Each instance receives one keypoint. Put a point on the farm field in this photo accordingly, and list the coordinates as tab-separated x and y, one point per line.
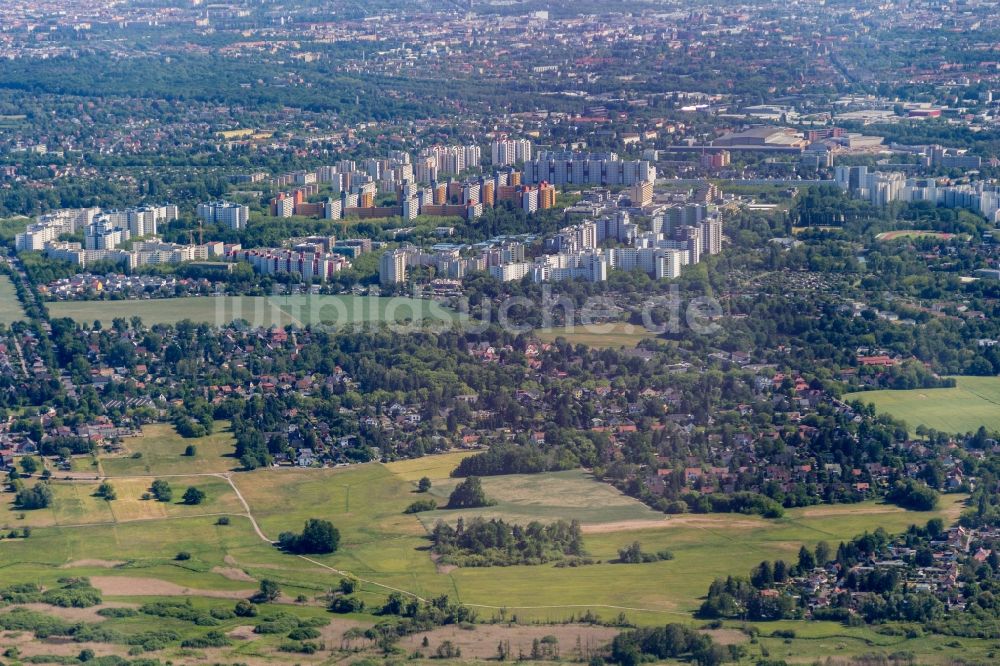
10	306
128	546
257	310
598	336
974	402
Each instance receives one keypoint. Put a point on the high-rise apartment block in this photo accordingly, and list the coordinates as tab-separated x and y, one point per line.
507	152
392	267
565	168
452	160
229	215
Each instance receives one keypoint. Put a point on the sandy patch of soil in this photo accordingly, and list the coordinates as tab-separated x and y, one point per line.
233	573
242	633
30	646
848	509
94	564
134	586
442	568
482	642
666	523
333	633
727	636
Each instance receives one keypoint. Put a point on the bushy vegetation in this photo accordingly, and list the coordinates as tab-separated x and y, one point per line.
70	593
633	554
283	623
181	610
421	505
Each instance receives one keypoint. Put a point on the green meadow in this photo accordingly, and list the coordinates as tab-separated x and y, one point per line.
161	451
974	402
265	311
10	306
598	336
129	546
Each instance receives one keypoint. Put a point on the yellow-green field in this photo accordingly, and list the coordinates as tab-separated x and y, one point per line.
129	545
10	306
569	495
598	336
257	310
974	402
160	450
76	505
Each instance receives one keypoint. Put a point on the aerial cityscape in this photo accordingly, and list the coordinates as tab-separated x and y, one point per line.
384	332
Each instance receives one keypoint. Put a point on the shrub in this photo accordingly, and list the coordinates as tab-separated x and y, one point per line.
347	605
422	505
194	496
303	633
245	609
117	612
306	647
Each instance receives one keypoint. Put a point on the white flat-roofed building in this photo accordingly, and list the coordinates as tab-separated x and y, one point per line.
230	215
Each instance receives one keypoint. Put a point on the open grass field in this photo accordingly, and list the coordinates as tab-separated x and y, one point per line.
75	504
257	310
129	545
161	451
569	495
974	402
10	306
598	336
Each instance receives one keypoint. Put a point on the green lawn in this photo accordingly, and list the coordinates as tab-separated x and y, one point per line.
162	452
974	402
10	306
258	310
598	336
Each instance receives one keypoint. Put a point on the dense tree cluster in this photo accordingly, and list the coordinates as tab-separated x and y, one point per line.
913	495
469	494
672	641
317	537
481	542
